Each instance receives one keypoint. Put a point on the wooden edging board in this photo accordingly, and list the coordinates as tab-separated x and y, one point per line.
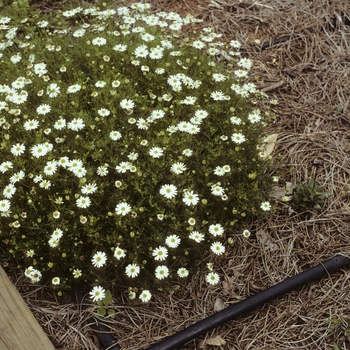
19	330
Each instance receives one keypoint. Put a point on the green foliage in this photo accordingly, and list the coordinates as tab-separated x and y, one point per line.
16	9
103	304
124	141
307	195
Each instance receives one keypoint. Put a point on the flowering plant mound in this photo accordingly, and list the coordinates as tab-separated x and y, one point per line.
128	151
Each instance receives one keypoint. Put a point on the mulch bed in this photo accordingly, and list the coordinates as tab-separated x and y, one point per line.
308	73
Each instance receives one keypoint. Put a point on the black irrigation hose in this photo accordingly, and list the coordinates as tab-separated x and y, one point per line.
177	340
102	332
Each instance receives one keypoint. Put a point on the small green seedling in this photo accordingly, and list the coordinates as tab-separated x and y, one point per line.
309	195
103	304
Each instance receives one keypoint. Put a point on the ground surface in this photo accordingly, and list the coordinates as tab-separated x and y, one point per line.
309	75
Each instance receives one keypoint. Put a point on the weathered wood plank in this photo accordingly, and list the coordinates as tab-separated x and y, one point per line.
19	330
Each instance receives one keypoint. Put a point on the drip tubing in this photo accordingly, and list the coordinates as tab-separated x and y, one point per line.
178	339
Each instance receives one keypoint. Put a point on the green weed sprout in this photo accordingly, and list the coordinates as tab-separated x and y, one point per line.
309	195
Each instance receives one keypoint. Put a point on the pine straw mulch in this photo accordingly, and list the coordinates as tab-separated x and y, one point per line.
309	75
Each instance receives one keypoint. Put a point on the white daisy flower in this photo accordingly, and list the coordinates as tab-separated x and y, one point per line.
168	191
216	230
119	253
99	259
120	47
235	44
53	90
217	96
50	168
182	272
196	236
57	233
9	191
219	171
190	198
201	113
266	206
89	188
83	202
238	138
31	124
76	124
226	168
183	126
97	293
115	135
122	167
236	120
142	124
30	253
145	296
160	253
198	44
212	278
219	77
217	190
161	272
102	170
127	104
53	242
171	129
79	33
254	117
18	149
40	69
189	100
74	164
133	155
132	270
60	124
100	84
156	152
187	152
56	281
77	273
245	63
192	221
217	248
17	177
246	233
6	166
240	73
73	88
35	276
159	71
122	208
4	205
99	41
172	241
